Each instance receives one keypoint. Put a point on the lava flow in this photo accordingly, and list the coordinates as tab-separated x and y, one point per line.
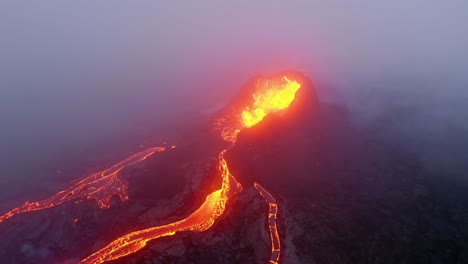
271	95
200	220
273	227
100	186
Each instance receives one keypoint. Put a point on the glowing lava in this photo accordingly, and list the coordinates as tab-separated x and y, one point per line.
272	224
100	186
200	220
270	97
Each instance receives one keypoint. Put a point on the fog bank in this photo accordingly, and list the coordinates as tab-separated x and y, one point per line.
80	78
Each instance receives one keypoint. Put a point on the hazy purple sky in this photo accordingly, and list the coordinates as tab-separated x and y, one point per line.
76	73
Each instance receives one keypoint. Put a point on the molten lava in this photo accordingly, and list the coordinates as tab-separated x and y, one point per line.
200	220
100	186
269	95
272	224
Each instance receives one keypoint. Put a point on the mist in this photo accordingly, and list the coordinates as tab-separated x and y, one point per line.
82	82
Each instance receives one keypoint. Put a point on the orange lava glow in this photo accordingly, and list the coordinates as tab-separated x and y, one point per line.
270	97
100	186
200	220
272	223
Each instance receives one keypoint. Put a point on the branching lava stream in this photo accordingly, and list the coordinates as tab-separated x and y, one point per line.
100	186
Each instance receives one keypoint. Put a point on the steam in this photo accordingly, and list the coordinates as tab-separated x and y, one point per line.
77	78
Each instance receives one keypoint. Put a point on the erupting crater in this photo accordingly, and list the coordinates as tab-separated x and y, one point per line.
266	95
